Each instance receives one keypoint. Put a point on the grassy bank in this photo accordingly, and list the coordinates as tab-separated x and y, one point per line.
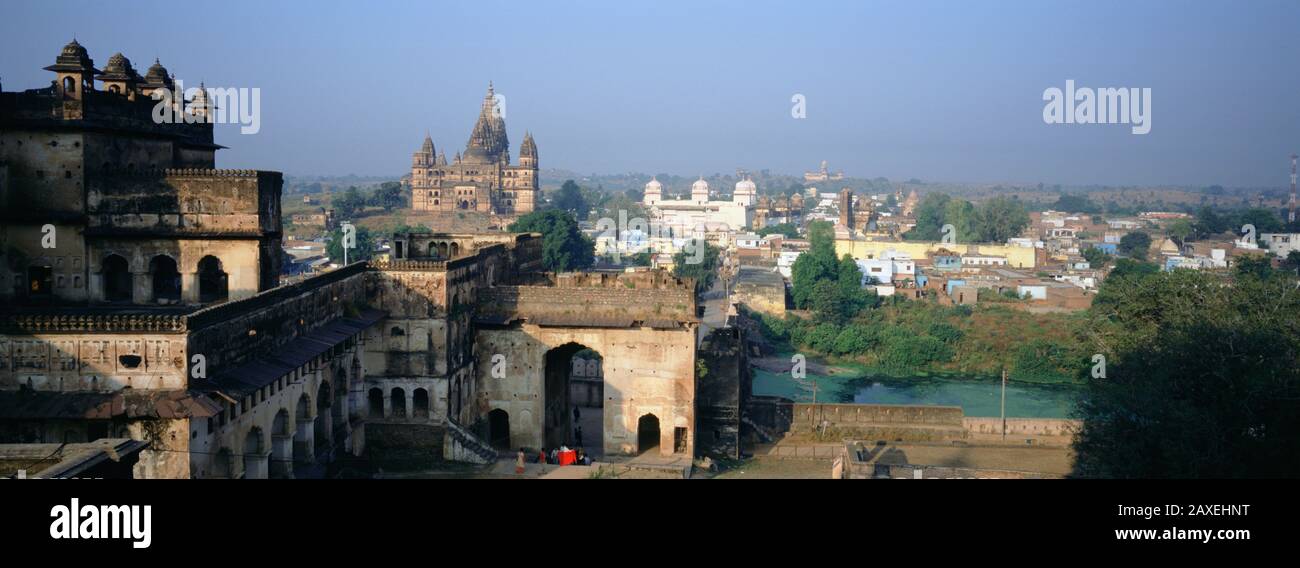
924	339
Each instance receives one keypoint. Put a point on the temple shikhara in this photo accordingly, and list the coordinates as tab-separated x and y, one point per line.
482	178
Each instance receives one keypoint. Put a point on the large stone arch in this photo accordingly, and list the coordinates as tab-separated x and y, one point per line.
642	370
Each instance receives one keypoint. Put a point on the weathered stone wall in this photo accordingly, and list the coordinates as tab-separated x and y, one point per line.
722	392
404	446
46	175
185	201
69	361
232	333
646	371
760	290
1031	427
809	416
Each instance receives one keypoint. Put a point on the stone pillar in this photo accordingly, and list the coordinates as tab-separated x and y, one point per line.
255	466
141	288
304	448
95	286
282	456
190	287
388	405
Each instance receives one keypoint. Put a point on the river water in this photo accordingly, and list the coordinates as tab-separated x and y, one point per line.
977	397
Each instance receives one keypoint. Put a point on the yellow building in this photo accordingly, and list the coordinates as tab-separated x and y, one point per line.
861	249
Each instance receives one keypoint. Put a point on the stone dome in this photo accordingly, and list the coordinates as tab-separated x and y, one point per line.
74	49
157	73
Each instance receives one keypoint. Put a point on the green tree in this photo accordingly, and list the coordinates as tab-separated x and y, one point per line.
828	302
788	229
929	217
1180	229
1075	204
1292	262
389	196
999	219
1200	380
1096	257
363	251
1136	244
698	263
1264	220
1251	265
815	265
564	247
854	340
1208	223
569	198
349	204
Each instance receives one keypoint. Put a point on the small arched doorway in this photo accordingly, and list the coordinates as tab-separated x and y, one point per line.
117	279
647	433
166	279
376	406
499	429
214	284
420	401
398	398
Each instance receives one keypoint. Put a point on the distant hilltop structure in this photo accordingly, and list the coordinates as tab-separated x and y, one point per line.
482	179
822	174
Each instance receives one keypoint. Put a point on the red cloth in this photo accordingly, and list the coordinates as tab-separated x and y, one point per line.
568	458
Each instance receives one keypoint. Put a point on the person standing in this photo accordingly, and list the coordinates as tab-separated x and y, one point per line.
519	462
577	435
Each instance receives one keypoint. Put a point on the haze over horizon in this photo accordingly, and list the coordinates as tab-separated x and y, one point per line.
936	91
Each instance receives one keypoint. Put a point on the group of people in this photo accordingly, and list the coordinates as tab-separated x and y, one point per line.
554	457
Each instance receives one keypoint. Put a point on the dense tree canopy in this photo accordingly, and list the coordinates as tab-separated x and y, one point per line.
564	247
1136	244
698	263
348	204
1071	203
1201	378
569	198
790	230
993	221
363	251
388	196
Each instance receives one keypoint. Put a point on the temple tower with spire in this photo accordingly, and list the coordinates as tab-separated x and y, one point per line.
481	178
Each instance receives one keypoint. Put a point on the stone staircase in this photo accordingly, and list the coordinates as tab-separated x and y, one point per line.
762	432
463	446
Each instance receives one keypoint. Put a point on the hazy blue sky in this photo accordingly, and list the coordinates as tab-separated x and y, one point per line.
936	90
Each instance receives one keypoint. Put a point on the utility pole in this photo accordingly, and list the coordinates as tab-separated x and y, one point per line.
1004	403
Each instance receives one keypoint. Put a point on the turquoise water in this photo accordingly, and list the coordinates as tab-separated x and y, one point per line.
976	397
